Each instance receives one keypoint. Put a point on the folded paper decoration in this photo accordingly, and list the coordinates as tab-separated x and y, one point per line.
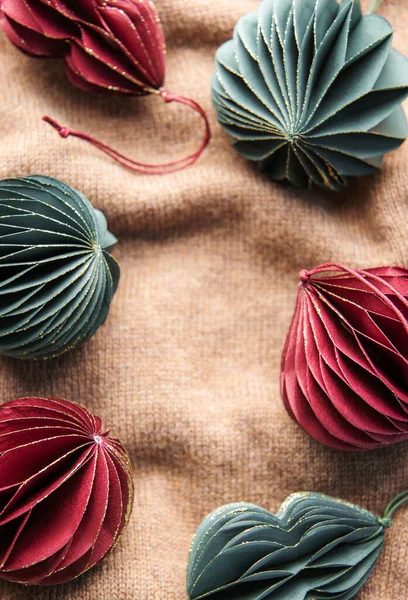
57	276
316	547
109	47
345	363
66	491
312	90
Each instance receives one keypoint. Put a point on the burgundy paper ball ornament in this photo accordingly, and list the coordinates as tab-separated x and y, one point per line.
345	363
109	47
66	491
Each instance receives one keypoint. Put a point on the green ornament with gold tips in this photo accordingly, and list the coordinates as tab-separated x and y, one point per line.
57	277
315	548
312	90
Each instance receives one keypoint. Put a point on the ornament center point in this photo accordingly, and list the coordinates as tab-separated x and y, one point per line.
304	275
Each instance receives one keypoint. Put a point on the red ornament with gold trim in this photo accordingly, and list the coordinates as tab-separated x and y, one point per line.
345	364
66	490
109	47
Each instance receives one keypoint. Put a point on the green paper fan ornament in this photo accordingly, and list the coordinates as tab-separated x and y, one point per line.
315	548
57	278
312	89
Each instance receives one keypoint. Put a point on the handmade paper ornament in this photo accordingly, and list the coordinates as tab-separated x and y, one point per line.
109	47
312	91
57	277
316	547
66	491
345	363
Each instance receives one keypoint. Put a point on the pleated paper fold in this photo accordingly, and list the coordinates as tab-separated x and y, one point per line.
57	277
66	491
312	90
345	363
315	547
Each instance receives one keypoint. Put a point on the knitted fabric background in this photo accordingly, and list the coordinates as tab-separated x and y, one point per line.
186	369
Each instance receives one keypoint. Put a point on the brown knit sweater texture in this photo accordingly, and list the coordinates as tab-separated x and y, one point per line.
186	369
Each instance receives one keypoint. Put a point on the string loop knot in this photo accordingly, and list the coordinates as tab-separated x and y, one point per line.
386	522
167	97
64	132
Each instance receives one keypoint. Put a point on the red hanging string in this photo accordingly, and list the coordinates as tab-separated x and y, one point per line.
140	167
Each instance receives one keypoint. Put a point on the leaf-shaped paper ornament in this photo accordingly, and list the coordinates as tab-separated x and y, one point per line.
345	363
66	491
315	548
57	277
312	90
109	47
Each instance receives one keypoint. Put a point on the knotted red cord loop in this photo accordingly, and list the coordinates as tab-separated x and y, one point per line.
140	167
63	131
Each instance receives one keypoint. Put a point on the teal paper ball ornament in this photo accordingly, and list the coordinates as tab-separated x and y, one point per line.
57	277
312	90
